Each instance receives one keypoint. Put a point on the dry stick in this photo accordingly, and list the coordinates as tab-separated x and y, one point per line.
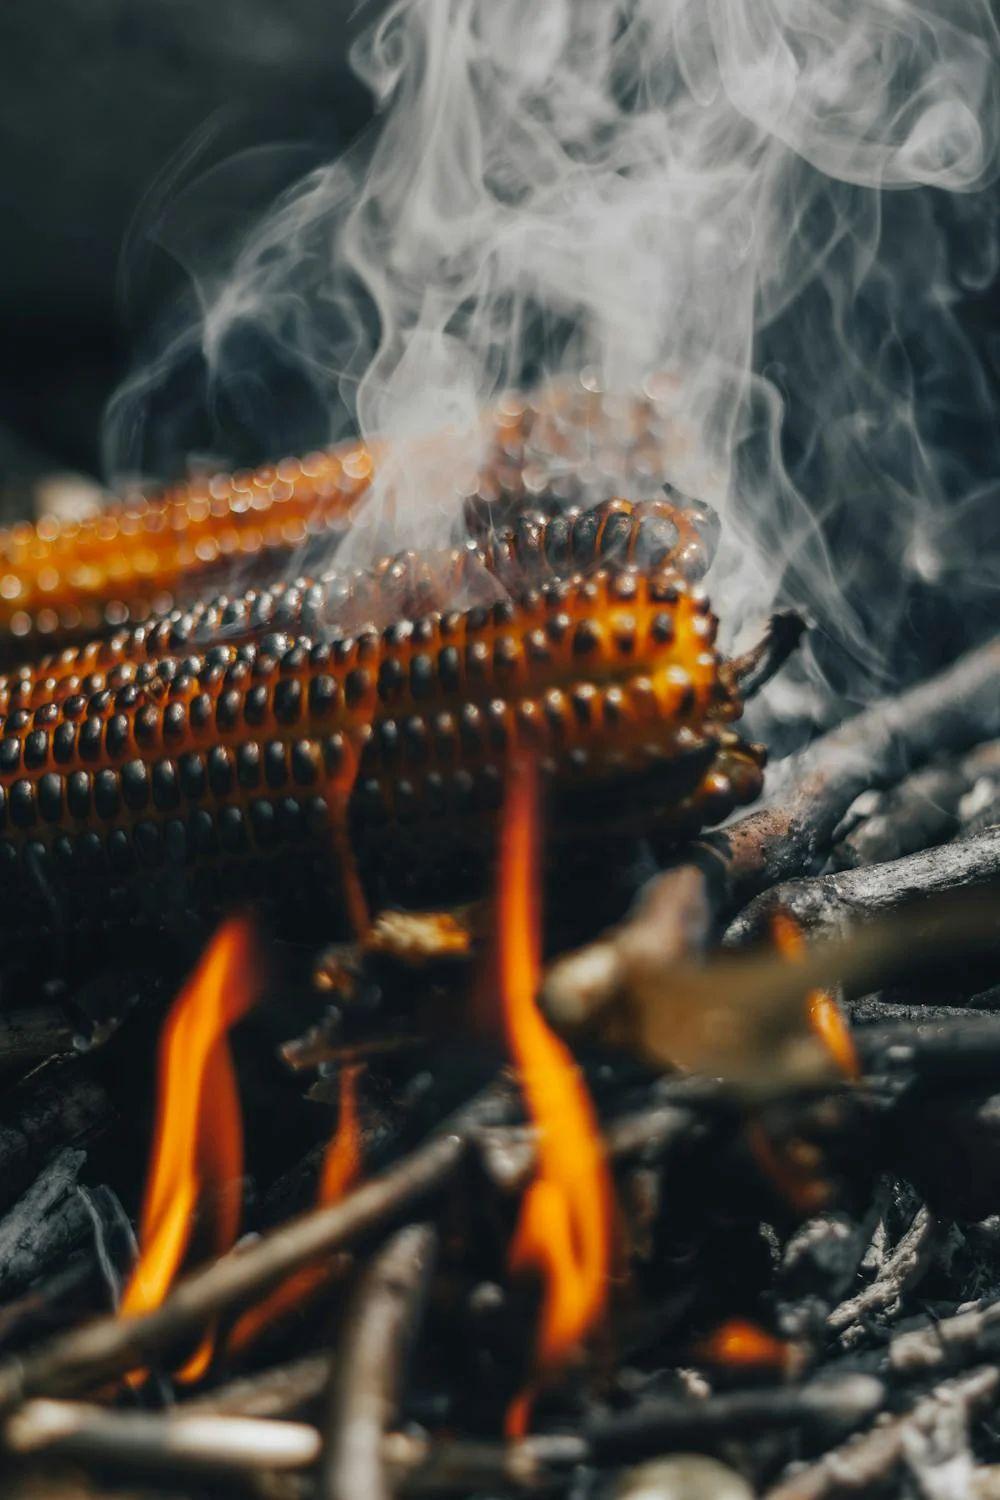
864	1462
903	1269
203	1442
97	1351
952	1341
371	1364
830	902
812	791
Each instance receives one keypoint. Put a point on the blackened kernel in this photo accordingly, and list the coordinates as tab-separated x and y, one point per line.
368	646
586	638
78	786
294	659
221	770
319	654
421	675
406	803
505	653
50	797
200	711
275	763
614	705
557	541
317	815
424	631
255	704
555	708
477	617
616	535
191	774
116	735
504	612
470	727
99	703
91	850
291	821
288	700
89	739
175	841
10	755
477	659
263	822
127	697
357	686
391	678
75	706
463	788
664	588
625	629
662	627
449	668
36	749
232	830
148	842
415	739
584	540
202	833
656	537
334	755
537	645
248	764
237	674
47	715
18	720
445	734
324	692
490	788
8	857
583	698
368	802
147	726
305	762
227	709
166	791
344	650
135	784
121	855
175	721
387	740
107	794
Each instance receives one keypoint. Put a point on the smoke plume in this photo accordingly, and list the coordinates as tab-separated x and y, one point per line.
705	198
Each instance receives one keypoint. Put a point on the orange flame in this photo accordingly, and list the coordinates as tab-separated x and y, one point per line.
824	1014
564	1229
341	1168
739	1343
197	1154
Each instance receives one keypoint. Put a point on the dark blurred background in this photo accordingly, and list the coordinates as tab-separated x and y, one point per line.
103	100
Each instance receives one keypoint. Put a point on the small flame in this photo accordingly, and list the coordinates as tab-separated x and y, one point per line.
341	1169
564	1230
197	1154
741	1344
822	1009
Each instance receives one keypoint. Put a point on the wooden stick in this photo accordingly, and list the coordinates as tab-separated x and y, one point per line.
811	792
371	1364
99	1350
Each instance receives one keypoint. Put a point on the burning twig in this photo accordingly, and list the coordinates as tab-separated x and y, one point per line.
371	1366
830	902
96	1351
864	1462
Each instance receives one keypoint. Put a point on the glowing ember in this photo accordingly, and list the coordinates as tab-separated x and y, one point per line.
197	1155
824	1014
564	1230
341	1168
740	1343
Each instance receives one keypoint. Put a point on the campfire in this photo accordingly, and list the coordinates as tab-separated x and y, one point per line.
501	910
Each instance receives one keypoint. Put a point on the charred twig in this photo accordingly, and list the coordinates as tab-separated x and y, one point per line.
830	1407
900	1272
29	1036
158	1441
831	901
51	1219
86	1355
865	1461
758	665
372	1359
812	791
57	1106
953	1341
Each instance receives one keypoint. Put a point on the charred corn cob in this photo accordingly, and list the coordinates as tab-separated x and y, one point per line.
189	780
66	581
651	534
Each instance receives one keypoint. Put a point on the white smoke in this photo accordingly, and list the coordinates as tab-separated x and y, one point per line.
698	188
